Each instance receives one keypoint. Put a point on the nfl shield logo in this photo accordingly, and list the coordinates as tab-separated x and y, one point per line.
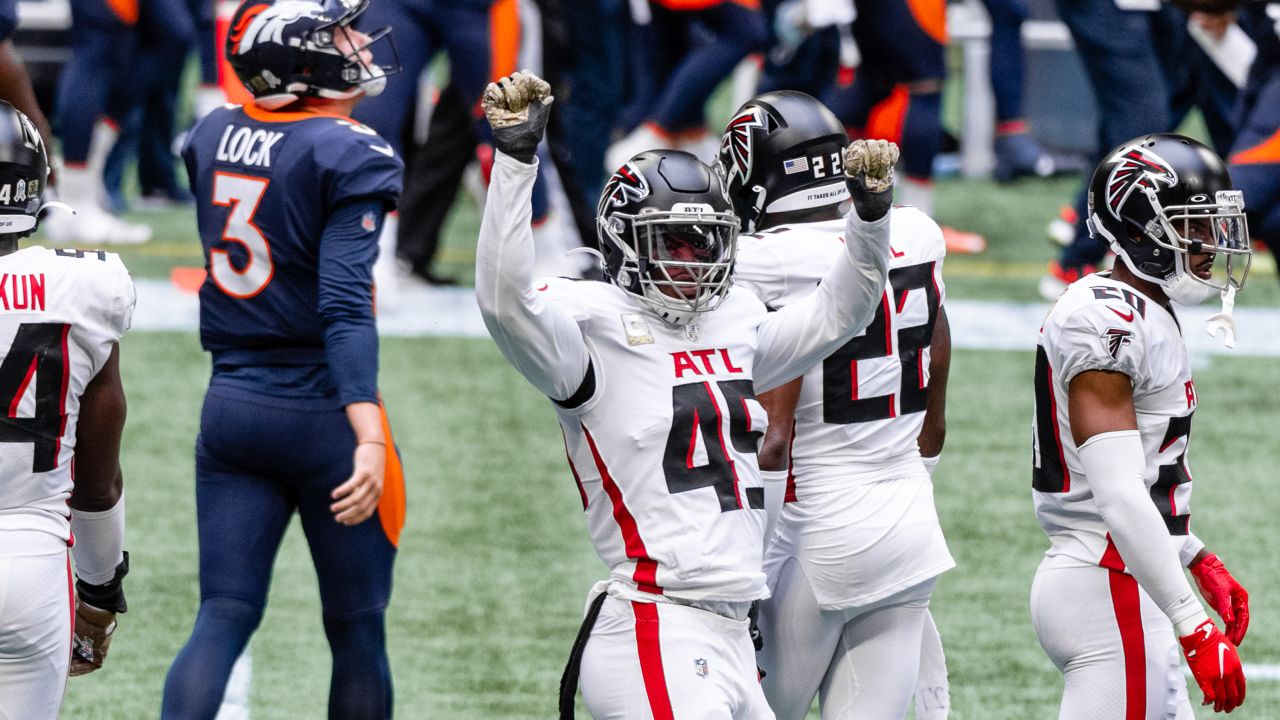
701	667
369	222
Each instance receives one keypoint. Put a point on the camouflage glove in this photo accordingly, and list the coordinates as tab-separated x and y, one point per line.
868	171
96	609
92	638
517	107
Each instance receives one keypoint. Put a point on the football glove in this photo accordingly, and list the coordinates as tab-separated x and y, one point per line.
517	107
1215	664
1226	596
868	171
96	609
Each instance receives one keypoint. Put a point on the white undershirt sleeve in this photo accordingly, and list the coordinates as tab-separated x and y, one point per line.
540	339
1113	463
796	337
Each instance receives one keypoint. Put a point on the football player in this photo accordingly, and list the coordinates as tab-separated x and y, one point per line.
291	195
653	373
853	562
62	314
1114	398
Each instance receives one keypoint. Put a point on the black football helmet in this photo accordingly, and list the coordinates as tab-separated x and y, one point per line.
782	151
24	168
668	233
283	50
1158	199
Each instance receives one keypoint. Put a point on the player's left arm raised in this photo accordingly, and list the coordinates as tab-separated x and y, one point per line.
796	337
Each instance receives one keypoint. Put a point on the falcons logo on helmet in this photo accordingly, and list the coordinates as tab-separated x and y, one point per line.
735	147
626	185
1117	338
1137	168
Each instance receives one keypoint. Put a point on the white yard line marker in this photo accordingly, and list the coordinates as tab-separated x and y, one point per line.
975	324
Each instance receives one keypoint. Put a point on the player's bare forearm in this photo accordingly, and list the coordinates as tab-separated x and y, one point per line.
934	433
98	479
780	404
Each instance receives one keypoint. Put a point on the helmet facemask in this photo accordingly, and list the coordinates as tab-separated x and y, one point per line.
1218	228
679	262
362	76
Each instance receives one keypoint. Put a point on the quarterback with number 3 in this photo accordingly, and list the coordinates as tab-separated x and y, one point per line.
1112	430
653	373
291	196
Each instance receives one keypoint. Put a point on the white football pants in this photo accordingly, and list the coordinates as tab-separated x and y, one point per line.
1111	642
863	660
670	662
35	632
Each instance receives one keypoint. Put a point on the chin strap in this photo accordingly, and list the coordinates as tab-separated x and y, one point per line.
1223	322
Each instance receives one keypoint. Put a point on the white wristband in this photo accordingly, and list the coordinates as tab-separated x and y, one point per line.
930	463
99	543
775	490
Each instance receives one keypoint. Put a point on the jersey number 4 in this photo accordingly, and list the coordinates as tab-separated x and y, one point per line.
698	424
241	193
39	352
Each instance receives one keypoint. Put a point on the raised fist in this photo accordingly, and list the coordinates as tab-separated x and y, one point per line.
868	171
517	107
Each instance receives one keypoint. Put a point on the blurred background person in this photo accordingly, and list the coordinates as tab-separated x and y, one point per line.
96	90
680	51
1255	156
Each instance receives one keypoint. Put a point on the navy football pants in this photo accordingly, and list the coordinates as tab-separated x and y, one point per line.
258	460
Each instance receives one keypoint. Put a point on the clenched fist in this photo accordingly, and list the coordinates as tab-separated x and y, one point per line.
517	107
868	171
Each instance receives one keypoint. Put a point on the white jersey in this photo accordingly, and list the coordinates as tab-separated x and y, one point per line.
661	423
1101	324
61	311
683	462
862	407
859	512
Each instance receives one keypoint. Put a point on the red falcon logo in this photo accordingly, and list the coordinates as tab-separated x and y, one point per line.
1137	168
735	146
1116	339
626	185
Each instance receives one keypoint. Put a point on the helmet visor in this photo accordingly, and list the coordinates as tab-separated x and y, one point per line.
1216	231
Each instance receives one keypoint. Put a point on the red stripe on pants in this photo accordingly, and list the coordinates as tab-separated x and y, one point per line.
1128	607
650	650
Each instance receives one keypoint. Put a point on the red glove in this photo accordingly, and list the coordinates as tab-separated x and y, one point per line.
1215	664
1224	595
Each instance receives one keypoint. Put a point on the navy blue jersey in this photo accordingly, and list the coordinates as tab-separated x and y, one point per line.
289	206
8	18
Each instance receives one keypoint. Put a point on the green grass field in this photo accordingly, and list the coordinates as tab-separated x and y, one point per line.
495	561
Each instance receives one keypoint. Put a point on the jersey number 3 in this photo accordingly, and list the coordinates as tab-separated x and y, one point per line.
242	193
